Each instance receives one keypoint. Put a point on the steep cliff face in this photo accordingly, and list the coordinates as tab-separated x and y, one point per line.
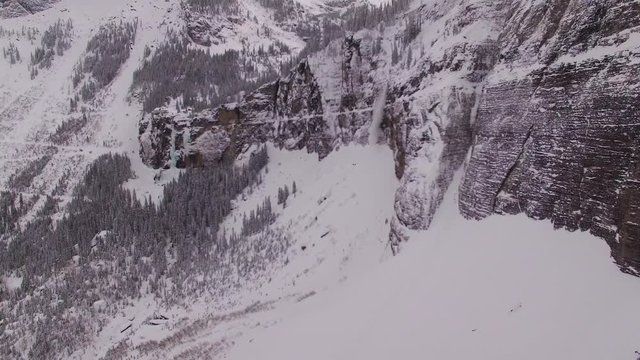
534	100
287	112
168	138
433	100
557	131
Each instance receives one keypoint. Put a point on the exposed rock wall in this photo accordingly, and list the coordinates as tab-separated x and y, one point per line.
557	131
432	104
181	140
287	112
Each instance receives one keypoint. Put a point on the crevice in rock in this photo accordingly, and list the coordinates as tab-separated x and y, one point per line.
513	166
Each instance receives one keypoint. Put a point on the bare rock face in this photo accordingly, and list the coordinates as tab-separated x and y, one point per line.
294	112
287	112
209	29
12	8
430	108
181	140
199	31
541	98
557	132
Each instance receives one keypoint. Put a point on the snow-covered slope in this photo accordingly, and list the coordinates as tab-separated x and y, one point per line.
33	107
506	287
337	225
503	288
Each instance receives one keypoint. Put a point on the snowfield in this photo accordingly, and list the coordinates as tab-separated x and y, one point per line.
502	288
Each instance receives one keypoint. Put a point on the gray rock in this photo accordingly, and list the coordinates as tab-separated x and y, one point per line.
17	8
561	141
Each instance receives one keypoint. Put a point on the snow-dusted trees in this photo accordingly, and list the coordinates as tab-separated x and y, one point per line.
200	79
413	25
191	210
133	242
12	207
22	179
107	50
368	16
27	32
282	9
11	54
318	36
69	127
55	41
258	219
283	195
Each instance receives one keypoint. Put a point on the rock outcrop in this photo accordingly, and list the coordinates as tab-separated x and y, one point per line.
295	112
181	140
287	112
16	8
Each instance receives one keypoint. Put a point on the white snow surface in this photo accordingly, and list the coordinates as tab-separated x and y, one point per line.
502	288
339	214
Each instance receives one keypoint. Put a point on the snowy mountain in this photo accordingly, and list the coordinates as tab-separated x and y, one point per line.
283	179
